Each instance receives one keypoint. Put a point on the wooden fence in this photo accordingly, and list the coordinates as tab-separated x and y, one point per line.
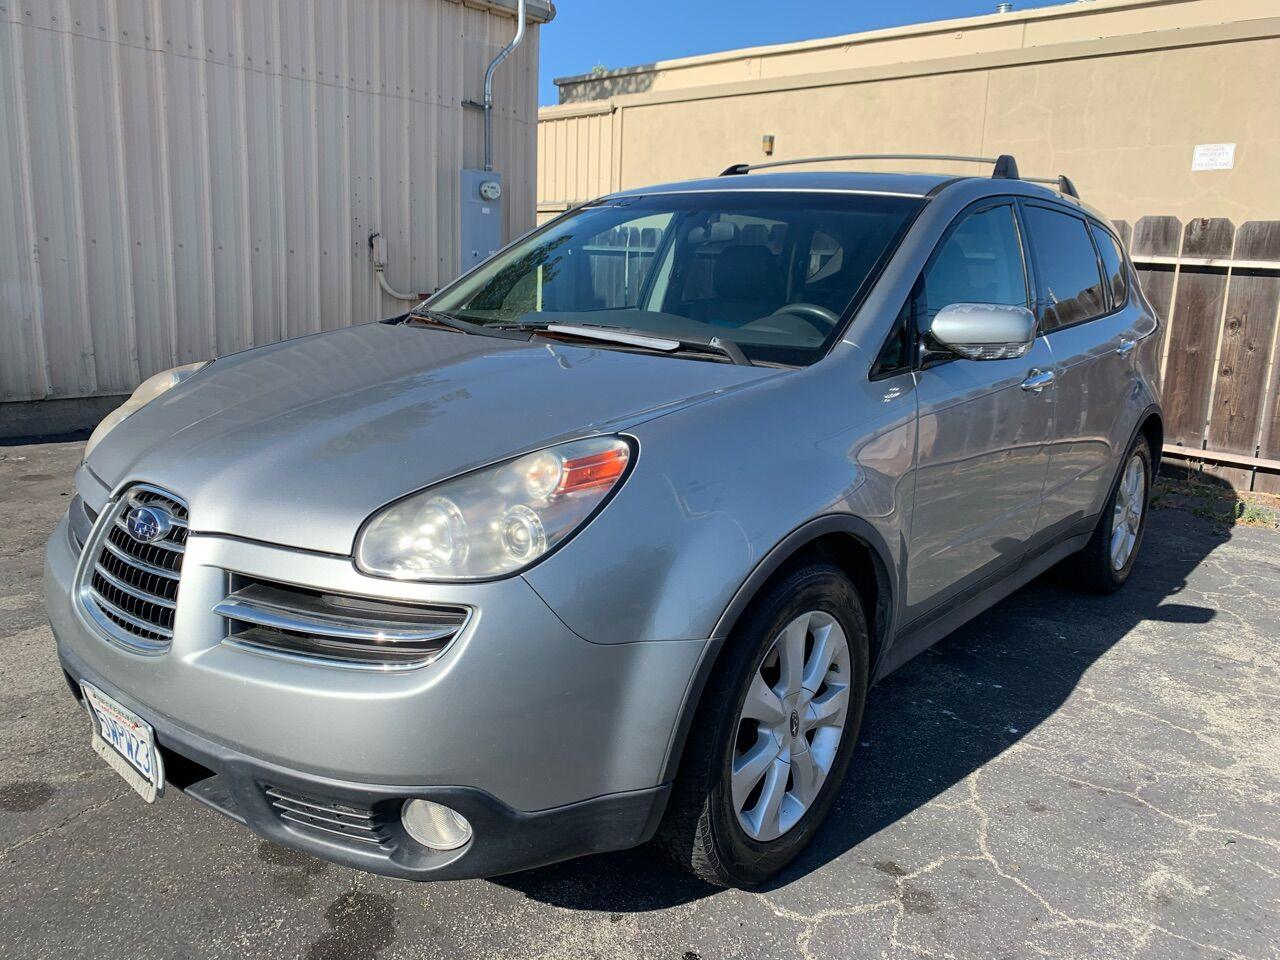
1217	289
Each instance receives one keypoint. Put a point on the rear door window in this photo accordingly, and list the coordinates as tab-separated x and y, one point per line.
1070	285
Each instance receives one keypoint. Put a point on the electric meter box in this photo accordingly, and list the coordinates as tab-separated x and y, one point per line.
481	219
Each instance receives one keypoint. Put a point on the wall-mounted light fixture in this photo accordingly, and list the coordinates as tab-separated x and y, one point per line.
767	143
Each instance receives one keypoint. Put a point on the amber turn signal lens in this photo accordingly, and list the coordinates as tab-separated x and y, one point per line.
594	470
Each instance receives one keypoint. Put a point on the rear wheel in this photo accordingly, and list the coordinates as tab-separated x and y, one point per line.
1107	560
774	733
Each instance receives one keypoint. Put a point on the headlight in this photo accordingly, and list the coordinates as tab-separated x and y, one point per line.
147	391
496	520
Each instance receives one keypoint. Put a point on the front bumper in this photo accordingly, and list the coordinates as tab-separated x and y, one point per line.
505	840
550	745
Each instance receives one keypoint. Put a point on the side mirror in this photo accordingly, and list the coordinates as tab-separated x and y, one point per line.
984	331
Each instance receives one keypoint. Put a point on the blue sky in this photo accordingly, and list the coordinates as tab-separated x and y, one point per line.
621	33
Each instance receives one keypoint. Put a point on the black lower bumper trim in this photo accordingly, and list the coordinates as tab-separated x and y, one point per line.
505	840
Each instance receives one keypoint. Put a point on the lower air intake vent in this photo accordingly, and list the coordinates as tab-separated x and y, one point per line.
359	824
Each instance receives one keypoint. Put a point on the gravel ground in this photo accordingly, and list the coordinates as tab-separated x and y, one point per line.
1066	776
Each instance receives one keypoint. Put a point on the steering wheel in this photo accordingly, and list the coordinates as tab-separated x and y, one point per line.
820	318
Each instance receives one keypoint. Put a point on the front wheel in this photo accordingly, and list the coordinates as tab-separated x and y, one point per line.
1107	560
774	732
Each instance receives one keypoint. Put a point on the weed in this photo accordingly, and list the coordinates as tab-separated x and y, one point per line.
1255	515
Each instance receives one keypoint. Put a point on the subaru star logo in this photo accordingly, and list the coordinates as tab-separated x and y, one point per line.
147	524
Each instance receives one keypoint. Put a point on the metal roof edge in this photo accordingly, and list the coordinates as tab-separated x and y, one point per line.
539	11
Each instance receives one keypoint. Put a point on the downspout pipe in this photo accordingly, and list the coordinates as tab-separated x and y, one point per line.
488	82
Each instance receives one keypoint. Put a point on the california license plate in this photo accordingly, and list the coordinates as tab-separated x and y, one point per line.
126	742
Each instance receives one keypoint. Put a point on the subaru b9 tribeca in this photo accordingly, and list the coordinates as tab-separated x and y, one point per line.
605	542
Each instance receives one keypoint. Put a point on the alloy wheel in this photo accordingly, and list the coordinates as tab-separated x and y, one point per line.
791	725
1127	517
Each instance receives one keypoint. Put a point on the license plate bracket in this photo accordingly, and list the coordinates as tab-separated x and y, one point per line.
126	742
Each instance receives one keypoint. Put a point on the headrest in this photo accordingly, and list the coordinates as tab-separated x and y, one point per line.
722	231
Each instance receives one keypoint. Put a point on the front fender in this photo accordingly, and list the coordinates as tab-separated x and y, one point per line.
718	486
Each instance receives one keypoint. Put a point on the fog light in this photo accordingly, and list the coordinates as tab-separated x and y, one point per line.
435	825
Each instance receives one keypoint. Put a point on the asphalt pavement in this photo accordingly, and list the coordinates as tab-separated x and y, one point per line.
1067	776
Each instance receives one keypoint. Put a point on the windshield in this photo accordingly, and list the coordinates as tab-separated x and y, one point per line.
776	273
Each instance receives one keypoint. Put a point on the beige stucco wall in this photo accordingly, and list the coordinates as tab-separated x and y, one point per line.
1044	26
1115	94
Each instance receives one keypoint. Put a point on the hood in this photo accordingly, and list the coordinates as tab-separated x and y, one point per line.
299	442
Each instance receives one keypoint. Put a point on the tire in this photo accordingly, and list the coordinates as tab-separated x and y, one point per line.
702	831
1097	569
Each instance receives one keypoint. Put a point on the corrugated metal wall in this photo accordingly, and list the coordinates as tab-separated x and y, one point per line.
186	178
576	156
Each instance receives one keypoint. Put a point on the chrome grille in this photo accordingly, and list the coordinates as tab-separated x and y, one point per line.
130	587
350	631
80	520
360	824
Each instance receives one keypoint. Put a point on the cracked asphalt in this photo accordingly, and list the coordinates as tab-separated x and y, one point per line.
1067	776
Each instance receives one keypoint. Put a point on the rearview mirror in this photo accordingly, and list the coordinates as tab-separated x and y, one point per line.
984	331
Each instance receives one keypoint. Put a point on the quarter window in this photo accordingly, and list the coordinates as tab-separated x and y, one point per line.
1112	263
897	355
1071	288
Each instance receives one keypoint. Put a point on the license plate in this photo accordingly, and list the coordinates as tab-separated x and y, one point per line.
126	742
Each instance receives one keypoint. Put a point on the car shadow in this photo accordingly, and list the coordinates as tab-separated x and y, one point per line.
948	712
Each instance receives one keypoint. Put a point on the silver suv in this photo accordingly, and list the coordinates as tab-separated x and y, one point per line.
606	541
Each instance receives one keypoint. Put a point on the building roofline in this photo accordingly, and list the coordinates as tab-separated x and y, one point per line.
1057	10
1230	32
539	11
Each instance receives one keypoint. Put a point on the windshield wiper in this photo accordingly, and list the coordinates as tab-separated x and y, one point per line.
463	326
729	349
644	340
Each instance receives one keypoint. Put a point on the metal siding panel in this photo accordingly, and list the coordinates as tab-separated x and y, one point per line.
24	372
264	150
147	211
178	27
106	246
299	188
423	210
191	177
188	200
55	189
228	211
575	158
365	102
124	19
334	161
227	189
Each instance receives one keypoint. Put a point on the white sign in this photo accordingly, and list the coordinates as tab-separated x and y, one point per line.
1214	156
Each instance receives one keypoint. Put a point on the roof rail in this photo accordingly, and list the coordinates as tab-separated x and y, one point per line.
1005	167
1062	182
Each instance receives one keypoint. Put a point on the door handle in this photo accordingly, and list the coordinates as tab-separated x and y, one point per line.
1037	380
1126	347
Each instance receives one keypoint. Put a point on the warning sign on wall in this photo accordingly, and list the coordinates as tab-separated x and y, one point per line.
1214	156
